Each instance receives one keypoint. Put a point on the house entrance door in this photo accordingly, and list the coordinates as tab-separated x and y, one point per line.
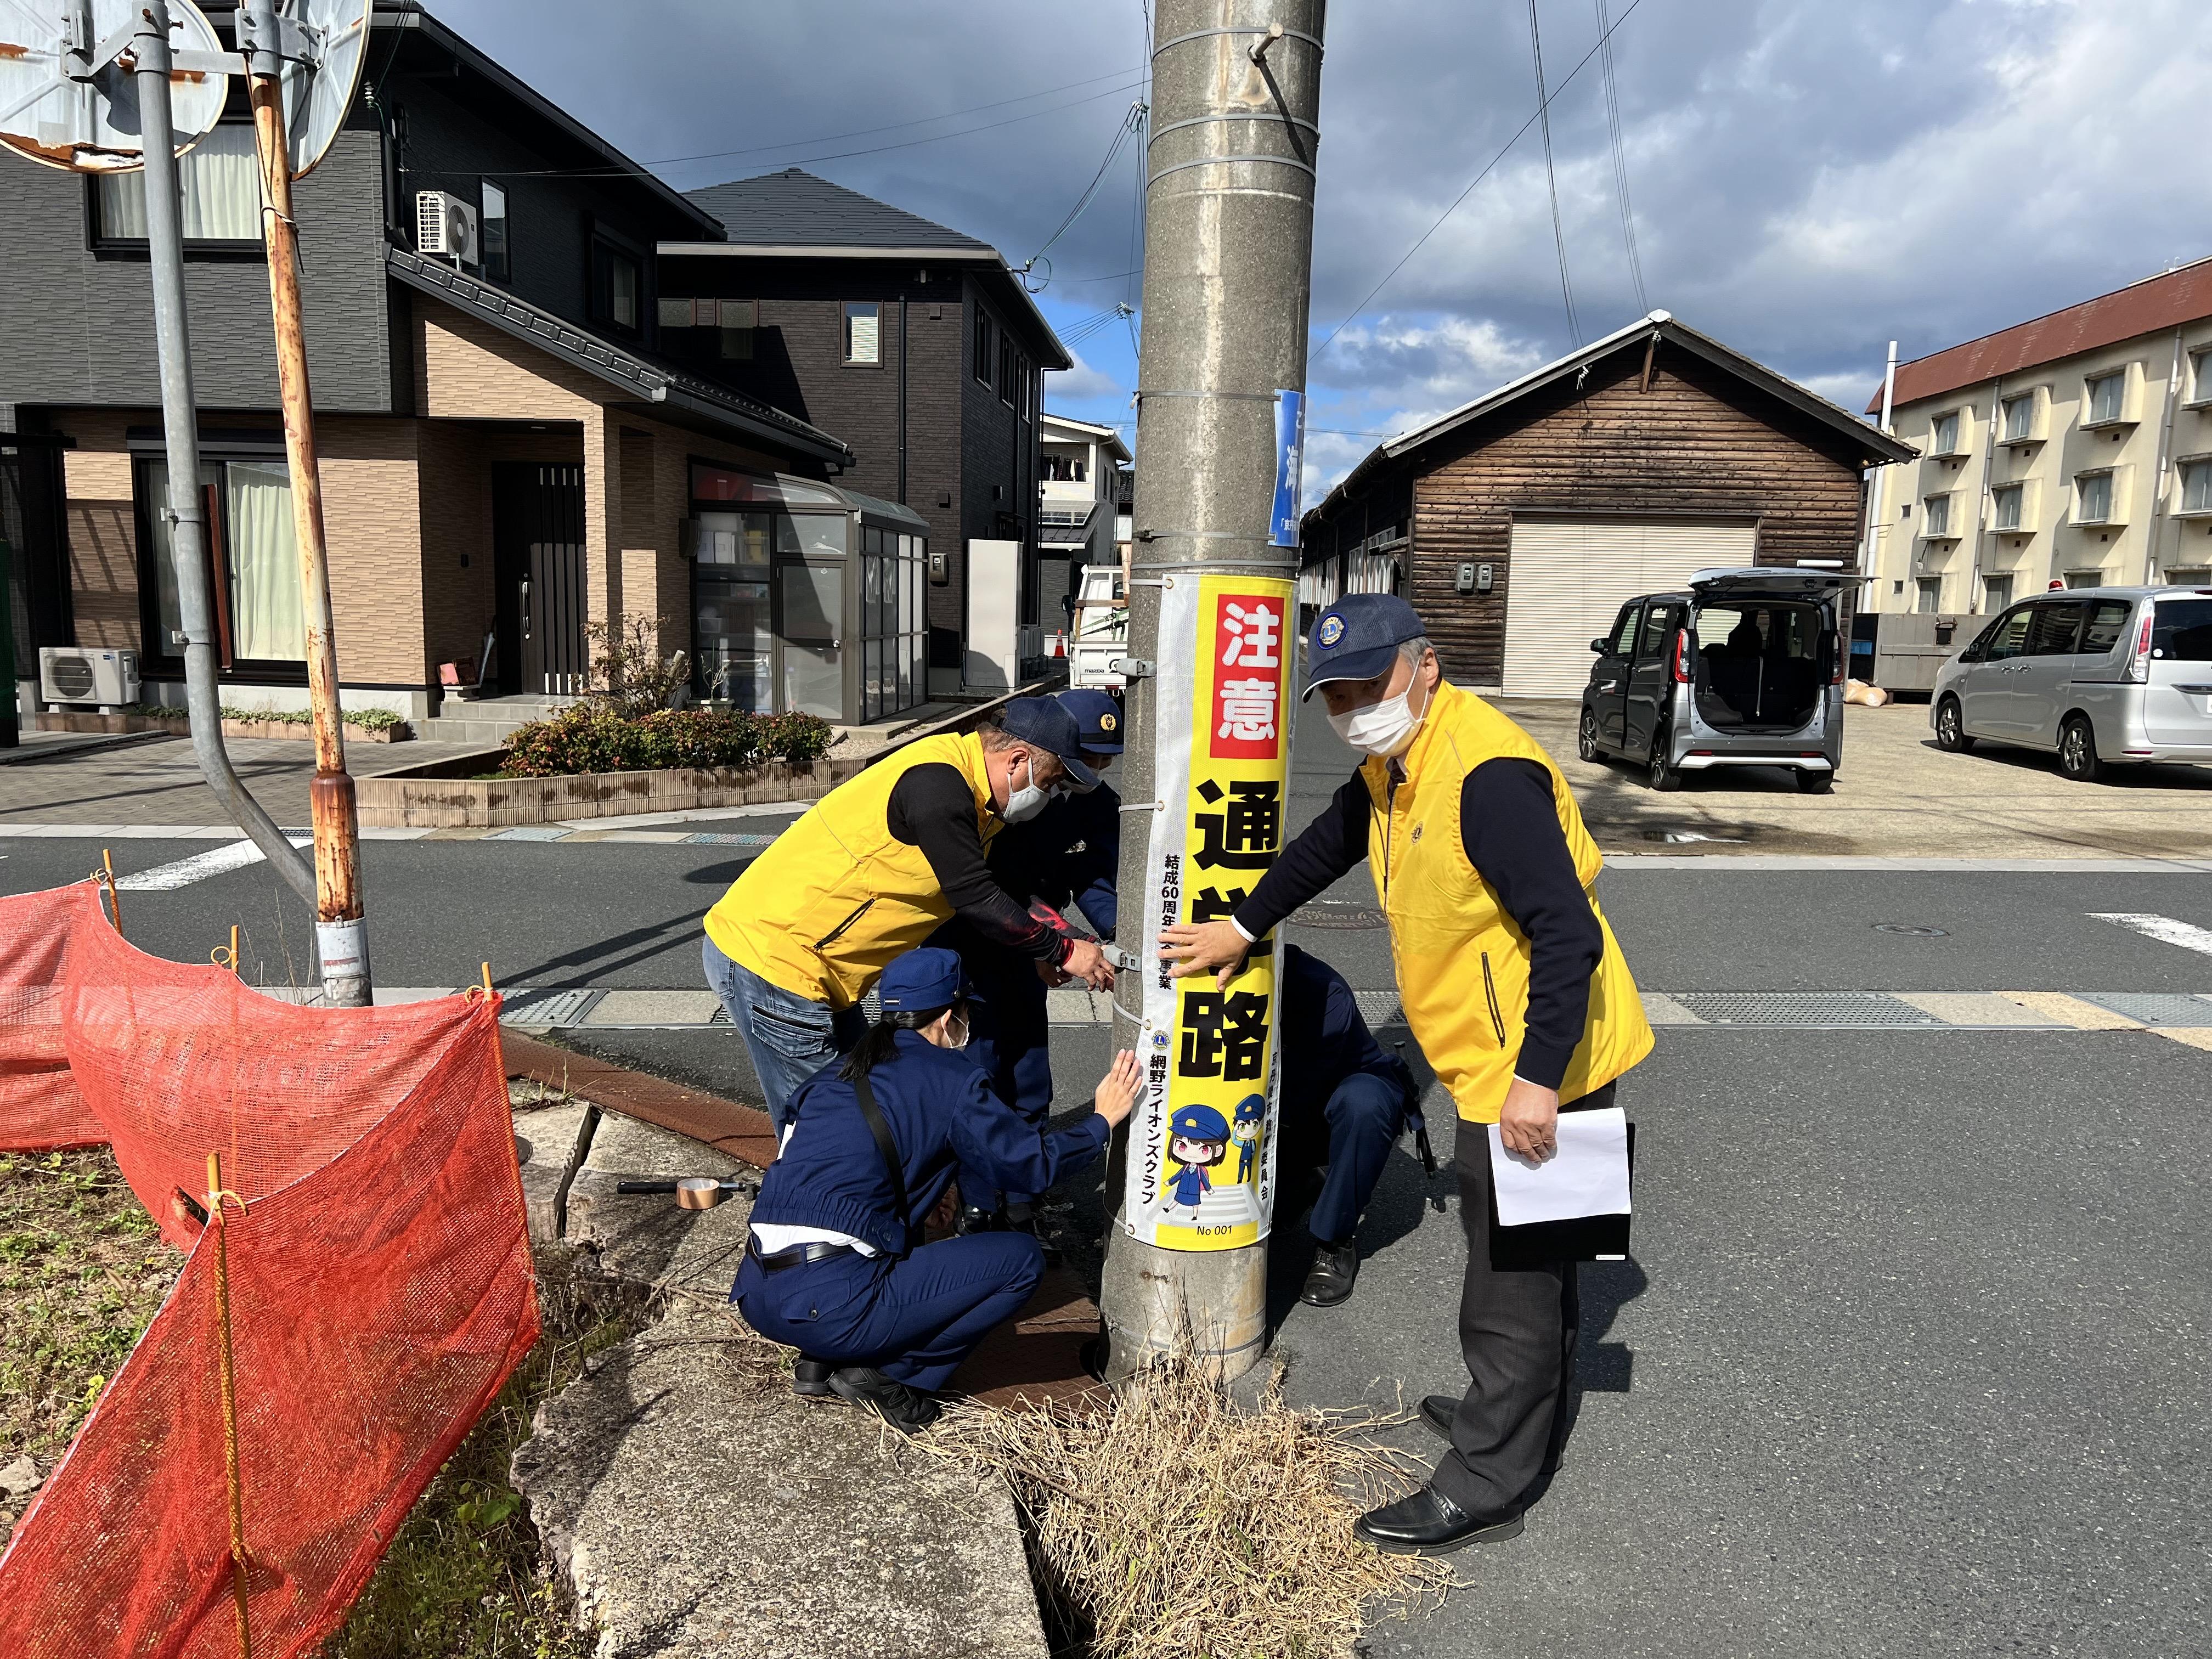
538	557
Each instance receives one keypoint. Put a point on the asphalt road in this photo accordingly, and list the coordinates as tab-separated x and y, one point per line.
1910	1359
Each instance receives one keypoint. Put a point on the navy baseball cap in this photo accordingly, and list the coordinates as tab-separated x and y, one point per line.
1044	723
1358	638
1098	717
923	979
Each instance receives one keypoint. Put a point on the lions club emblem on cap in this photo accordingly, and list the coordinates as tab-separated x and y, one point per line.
1107	722
1332	630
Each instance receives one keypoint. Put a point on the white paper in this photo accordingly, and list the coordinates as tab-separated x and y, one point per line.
1588	1176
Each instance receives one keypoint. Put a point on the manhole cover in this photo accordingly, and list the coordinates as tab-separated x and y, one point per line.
1340	917
1911	931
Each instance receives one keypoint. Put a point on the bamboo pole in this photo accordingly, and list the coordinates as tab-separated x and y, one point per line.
107	875
229	1380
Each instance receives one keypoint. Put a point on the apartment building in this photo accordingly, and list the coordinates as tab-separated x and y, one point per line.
2075	448
1079	494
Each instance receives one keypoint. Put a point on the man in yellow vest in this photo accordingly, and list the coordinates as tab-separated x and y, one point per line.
873	869
1513	986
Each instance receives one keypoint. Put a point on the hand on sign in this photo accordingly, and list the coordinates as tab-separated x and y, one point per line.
1529	1123
1117	1090
1204	947
1087	962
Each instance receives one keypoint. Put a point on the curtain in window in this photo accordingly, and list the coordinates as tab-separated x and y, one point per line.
268	623
222	191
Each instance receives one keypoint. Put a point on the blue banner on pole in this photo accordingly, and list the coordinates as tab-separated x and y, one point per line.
1290	447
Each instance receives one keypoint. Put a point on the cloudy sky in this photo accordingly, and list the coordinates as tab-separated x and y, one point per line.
1809	178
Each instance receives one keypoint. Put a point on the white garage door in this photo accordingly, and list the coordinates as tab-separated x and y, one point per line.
1570	576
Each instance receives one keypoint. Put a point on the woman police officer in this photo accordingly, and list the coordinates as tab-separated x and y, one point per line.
834	1266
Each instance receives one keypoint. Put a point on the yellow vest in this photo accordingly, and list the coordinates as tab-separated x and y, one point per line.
1462	965
836	897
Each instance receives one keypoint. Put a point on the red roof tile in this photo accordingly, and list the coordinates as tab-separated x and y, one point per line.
2157	302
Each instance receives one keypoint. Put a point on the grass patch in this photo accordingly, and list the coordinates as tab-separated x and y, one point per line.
82	1270
465	1579
1171	1520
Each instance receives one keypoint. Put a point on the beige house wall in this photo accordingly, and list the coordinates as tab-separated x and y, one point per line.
2150	539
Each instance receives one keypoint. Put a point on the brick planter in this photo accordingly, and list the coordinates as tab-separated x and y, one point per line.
451	794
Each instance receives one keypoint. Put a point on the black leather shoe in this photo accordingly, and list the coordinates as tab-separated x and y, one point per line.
810	1378
1023	1220
1437	1411
1427	1523
972	1219
1329	1280
908	1410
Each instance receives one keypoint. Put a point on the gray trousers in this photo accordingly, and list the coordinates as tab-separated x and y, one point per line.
1516	1331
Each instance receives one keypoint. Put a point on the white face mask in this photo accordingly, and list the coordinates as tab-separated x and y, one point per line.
1026	802
966	1032
1381	728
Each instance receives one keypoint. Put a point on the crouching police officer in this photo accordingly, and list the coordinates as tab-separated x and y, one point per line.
834	1266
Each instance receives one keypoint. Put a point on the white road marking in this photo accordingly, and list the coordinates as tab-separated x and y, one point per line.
167	877
2187	935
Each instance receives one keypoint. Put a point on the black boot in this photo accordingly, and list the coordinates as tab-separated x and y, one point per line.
810	1376
1427	1523
1022	1218
908	1410
974	1218
1329	1280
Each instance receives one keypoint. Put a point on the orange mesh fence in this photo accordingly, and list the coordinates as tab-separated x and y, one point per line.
380	1282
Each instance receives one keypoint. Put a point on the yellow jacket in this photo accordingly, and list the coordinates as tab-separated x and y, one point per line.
1462	965
836	897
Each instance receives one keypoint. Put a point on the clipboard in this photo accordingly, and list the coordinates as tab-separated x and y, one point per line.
1540	1244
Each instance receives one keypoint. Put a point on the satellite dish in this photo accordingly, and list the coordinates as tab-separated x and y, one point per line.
319	88
91	123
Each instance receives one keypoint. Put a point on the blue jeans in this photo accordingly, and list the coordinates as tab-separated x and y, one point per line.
914	1317
790	1038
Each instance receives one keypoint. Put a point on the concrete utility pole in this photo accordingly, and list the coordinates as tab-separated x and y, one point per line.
341	934
1229	247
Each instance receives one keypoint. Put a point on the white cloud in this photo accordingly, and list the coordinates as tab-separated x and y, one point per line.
1061	386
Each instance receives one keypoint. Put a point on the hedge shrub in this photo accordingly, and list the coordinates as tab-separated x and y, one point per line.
591	737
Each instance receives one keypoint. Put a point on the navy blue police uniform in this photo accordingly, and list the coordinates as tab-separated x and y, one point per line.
859	1288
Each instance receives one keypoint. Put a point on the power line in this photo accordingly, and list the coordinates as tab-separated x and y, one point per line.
1133	122
1490	167
1620	158
1551	178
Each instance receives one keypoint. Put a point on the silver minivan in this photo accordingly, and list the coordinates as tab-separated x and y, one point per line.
2100	676
1742	668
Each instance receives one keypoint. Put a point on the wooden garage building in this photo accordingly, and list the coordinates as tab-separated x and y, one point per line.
1518	524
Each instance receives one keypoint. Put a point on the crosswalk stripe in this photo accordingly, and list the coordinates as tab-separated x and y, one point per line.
167	877
2187	935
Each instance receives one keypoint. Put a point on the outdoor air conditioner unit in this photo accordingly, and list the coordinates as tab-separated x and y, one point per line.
444	226
109	678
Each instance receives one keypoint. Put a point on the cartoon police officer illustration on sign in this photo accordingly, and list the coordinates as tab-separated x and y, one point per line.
1198	1139
1244	1130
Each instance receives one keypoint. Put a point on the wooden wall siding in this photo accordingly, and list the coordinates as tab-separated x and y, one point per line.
1700	442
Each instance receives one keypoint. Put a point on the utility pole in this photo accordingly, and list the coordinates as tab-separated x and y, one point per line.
151	67
1221	379
341	934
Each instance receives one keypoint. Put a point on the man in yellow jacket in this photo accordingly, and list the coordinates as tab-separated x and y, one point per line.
1513	985
874	868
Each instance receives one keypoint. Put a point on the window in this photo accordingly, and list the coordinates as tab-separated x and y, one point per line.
491	230
2197	486
1996	592
2200	376
2093	498
1928	598
617	287
2108	621
1943	434
258	618
1007	355
222	186
2020	417
2010	499
2107	398
2084	579
727	325
1063	469
1658	629
863	332
987	345
1624	630
894	668
1936	519
2057	626
2181	630
2009	638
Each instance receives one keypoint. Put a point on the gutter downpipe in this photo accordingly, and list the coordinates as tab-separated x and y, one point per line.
1877	486
187	518
2158	512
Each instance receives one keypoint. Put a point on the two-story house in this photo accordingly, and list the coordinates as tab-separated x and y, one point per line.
916	343
520	439
1082	467
2075	448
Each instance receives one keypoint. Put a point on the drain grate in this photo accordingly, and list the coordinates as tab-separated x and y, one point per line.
2155	1007
532	832
1807	1010
1379	1007
722	1017
710	840
1342	918
548	1007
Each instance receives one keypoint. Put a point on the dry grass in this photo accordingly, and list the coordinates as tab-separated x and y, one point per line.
1171	1522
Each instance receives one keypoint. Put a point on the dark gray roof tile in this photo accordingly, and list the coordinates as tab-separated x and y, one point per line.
793	208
